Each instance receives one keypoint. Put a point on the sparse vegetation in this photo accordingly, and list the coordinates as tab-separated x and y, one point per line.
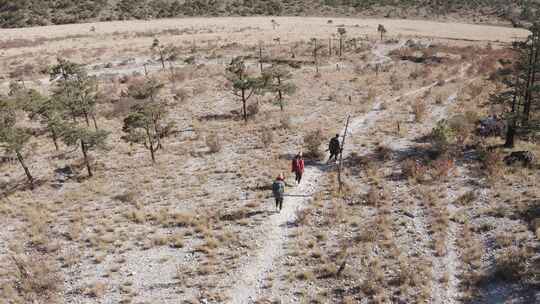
424	207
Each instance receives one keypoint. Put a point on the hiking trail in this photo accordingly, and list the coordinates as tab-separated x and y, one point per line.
248	284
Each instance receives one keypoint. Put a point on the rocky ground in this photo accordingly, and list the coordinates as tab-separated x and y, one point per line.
199	226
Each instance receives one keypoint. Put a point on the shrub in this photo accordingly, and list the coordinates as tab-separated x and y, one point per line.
213	143
383	153
511	263
285	122
492	163
313	142
462	127
419	110
37	278
442	167
413	169
180	95
253	109
442	135
267	137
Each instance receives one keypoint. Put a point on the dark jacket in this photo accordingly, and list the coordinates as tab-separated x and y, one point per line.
278	188
334	146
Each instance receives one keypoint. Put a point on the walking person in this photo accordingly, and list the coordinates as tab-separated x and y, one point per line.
298	167
334	147
278	190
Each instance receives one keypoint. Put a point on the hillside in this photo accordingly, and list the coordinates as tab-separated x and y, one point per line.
45	12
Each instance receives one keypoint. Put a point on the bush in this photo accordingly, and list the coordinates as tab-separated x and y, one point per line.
36	278
442	167
462	127
492	162
285	121
413	169
442	136
253	109
511	263
419	110
313	142
267	137
213	143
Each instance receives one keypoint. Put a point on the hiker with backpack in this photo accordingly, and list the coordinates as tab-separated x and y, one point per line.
298	167
278	190
334	147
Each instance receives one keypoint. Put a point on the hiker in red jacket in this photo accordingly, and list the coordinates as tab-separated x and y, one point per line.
298	166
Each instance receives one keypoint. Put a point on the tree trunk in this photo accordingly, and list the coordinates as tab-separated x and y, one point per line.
280	94
532	78
86	161
340	46
260	58
510	134
162	59
340	166
151	147
55	139
26	170
86	119
95	122
156	130
330	47
244	101
511	129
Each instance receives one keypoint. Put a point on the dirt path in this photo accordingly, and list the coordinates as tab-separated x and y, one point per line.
249	283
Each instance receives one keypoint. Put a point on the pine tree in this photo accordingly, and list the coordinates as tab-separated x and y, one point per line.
243	85
75	90
75	97
522	94
341	32
13	138
145	123
47	111
277	81
89	140
532	76
382	30
164	53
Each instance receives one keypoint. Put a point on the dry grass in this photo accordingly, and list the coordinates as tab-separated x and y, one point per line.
419	110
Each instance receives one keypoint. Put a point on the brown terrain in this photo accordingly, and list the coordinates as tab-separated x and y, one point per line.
200	227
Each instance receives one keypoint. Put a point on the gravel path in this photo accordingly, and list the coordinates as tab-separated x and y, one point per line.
249	283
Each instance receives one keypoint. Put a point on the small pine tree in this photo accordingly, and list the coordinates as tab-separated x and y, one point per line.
88	140
522	91
277	81
341	32
315	52
13	139
164	53
243	85
75	90
382	30
47	111
140	126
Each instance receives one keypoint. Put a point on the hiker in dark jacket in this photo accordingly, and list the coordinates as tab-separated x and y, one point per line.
278	190
298	167
334	147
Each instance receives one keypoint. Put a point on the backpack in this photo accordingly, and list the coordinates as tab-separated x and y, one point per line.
278	188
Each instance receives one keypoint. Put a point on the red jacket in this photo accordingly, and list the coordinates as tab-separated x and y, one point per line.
298	165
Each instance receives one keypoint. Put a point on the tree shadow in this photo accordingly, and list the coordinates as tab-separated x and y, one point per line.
11	187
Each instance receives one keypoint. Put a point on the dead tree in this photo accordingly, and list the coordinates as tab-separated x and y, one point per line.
340	165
